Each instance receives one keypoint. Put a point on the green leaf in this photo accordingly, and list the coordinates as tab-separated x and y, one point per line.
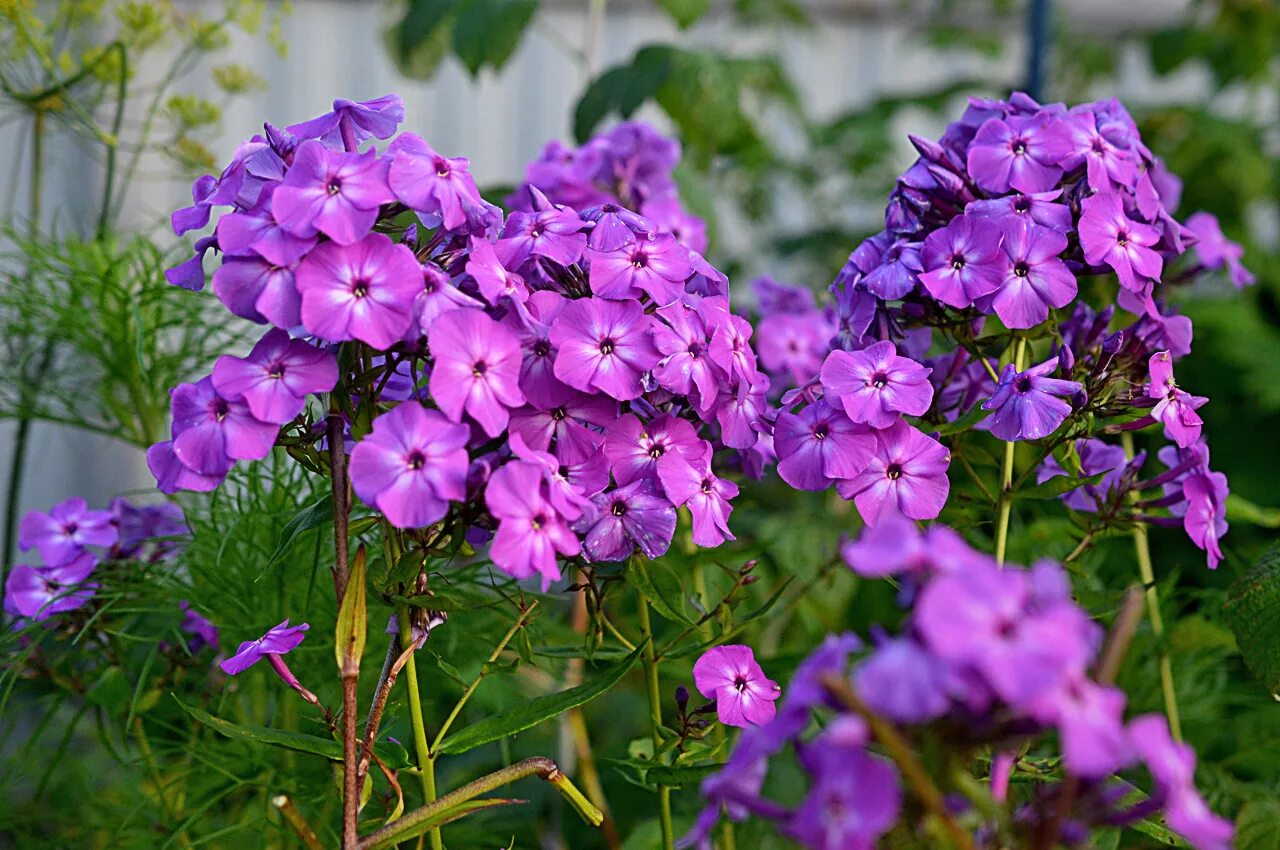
661	587
449	815
623	89
312	517
1257	825
1242	510
530	713
661	774
685	12
353	619
395	756
1252	612
975	415
111	691
421	39
487	32
1056	486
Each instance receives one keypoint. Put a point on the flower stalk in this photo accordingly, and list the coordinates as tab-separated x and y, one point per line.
650	659
1006	472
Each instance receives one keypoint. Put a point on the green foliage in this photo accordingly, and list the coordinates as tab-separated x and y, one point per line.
481	33
1253	613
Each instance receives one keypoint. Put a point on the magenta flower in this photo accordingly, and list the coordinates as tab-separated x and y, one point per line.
437	297
1108	236
1176	408
654	264
492	276
530	530
1172	765
61	534
570	426
554	233
630	517
333	192
363	291
203	632
1013	153
277	641
963	261
635	449
38	593
276	377
820	444
411	465
1205	514
686	367
210	431
907	474
253	288
794	345
731	347
603	345
256	232
1039	208
1078	139
477	369
432	184
173	475
1216	251
1029	405
352	122
706	496
1036	279
876	386
730	675
856	797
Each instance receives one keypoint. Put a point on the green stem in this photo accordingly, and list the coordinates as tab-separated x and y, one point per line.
655	720
426	766
1146	571
707	633
113	144
1006	473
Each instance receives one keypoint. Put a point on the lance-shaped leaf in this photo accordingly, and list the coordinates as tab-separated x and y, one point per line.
1056	486
353	620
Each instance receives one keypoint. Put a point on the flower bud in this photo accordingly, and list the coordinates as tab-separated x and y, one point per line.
682	698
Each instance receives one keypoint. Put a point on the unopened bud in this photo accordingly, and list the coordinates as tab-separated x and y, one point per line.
682	698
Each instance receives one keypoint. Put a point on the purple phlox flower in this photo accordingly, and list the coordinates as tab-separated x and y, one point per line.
333	192
898	273
530	530
437	297
61	534
561	484
707	496
730	675
433	184
1155	331
173	475
491	274
1205	516
1039	208
278	640
1035	279
794	345
411	465
276	377
895	545
963	261
855	797
1101	146
190	273
139	524
907	474
655	264
38	593
904	682
1175	407
740	412
669	216
363	291
252	288
631	517
1172	765
1090	721
985	618
731	344
959	382
569	426
613	226
1108	236
477	369
1014	153
604	345
195	216
1095	457
776	297
876	386
681	338
532	324
203	632
555	233
1216	251
256	231
635	449
820	444
1028	405
210	431
351	122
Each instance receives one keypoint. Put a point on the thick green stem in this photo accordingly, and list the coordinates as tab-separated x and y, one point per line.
1146	571
655	720
426	766
1006	473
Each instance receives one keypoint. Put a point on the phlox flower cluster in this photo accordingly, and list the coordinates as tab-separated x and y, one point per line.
987	657
557	382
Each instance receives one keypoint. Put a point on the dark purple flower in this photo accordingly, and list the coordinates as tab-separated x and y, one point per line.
1095	457
411	465
820	444
875	385
631	517
203	632
139	524
253	288
898	273
1108	236
530	530
603	345
730	675
1029	405
333	192
210	431
61	534
1176	408
190	274
363	291
907	474
276	377
433	184
278	640
173	475
1013	153
1035	279
477	369
963	261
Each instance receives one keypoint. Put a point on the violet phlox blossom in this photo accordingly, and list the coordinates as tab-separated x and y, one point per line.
531	531
1036	279
279	640
1197	495
210	432
1216	251
1029	405
62	533
907	474
477	369
1096	457
364	290
1175	408
40	592
276	377
730	675
334	192
963	261
875	386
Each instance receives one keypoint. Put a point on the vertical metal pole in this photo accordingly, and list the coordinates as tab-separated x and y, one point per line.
1037	46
